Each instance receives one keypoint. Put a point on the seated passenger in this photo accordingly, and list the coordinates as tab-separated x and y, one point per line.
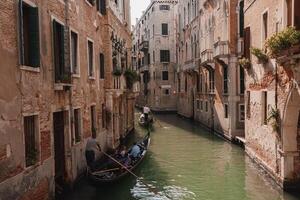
135	151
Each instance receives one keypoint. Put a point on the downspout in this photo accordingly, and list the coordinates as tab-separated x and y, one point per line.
70	88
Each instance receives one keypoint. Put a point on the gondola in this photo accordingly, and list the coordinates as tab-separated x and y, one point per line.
111	172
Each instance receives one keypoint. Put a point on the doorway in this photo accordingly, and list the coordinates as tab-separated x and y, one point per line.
59	149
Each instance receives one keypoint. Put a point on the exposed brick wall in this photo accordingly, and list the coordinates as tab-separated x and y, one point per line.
40	192
45	145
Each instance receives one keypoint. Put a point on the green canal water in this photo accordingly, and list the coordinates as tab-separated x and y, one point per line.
185	162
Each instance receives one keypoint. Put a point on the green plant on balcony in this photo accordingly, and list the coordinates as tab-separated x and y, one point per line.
284	43
117	71
260	55
65	78
274	119
131	77
245	63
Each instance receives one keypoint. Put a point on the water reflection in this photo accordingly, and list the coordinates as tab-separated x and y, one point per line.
186	162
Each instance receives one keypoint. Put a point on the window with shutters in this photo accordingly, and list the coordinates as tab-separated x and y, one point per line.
29	35
74	53
102	65
164	56
242	80
241	112
241	19
31	140
164	29
247	43
293	15
90	48
297	14
164	7
77	125
225	79
165	75
264	26
226	111
93	119
101	6
62	73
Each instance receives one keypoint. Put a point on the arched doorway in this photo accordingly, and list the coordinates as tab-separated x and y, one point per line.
290	135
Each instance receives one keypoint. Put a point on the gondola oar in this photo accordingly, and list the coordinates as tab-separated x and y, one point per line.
133	174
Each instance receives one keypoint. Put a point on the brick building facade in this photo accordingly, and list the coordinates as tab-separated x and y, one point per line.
56	62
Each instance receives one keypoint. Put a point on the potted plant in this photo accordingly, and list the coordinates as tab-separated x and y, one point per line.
245	63
284	43
65	78
117	71
131	77
32	157
262	58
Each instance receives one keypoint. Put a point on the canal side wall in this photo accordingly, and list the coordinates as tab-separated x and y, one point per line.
276	150
32	92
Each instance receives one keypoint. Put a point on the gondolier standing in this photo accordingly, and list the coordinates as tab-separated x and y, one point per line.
92	147
146	111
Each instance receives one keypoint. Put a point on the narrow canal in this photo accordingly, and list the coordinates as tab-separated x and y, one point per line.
186	162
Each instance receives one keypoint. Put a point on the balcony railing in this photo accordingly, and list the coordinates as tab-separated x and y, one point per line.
207	56
144	46
221	49
189	65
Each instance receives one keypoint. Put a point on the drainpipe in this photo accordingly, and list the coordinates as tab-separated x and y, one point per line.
68	70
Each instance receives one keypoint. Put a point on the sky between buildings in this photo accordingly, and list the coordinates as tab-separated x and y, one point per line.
137	7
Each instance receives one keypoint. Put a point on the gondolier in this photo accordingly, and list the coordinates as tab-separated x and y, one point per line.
146	112
92	147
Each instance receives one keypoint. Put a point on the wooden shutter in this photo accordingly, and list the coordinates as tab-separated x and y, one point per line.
59	50
34	41
103	7
21	40
297	14
247	42
102	66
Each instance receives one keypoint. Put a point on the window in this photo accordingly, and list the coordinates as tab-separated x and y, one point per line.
164	56
101	6
164	7
225	79
93	119
206	106
241	19
102	64
211	82
201	105
242	80
198	104
153	30
103	116
225	111
91	2
248	105
165	75
74	52
31	137
62	73
265	26
241	112
166	91
29	35
164	29
77	125
154	77
293	15
247	42
197	83
264	107
201	83
185	84
91	58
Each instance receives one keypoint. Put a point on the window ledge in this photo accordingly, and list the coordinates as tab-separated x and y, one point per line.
76	75
92	78
30	69
61	86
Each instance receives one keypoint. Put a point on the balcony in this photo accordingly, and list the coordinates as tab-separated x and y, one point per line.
144	68
144	46
207	57
189	65
221	49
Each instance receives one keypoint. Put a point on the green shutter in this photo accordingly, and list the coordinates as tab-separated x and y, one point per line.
21	40
62	67
34	38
